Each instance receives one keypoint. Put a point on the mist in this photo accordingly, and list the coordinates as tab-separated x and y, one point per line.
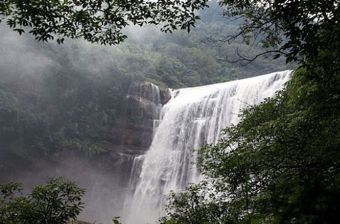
24	64
65	111
27	67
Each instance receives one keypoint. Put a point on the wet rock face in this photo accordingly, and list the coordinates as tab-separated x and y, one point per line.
105	176
132	134
146	91
165	95
142	107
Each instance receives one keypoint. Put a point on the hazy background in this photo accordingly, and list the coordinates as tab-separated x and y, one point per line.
61	106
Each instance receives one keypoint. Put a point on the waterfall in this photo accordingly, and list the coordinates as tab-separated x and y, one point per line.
156	98
151	92
193	117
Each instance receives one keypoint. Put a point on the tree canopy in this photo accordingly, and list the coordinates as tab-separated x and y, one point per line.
96	21
280	164
56	202
298	29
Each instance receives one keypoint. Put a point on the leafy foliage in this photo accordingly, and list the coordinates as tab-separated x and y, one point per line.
56	202
95	21
77	101
280	164
193	206
296	28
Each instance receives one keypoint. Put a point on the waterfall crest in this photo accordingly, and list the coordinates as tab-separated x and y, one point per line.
193	117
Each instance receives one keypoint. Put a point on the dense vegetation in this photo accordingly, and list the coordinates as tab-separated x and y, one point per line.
280	164
75	101
95	21
56	202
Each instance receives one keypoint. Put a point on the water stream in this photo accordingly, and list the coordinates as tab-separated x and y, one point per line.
193	117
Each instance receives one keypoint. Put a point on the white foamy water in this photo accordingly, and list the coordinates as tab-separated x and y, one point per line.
193	117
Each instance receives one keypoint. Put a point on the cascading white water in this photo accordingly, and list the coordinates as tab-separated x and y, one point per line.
193	117
155	98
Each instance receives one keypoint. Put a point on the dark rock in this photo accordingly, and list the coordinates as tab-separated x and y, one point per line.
105	175
144	90
142	107
165	95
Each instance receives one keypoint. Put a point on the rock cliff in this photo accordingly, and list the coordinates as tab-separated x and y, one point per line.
104	175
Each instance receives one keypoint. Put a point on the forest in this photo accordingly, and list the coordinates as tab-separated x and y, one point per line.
278	164
82	101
